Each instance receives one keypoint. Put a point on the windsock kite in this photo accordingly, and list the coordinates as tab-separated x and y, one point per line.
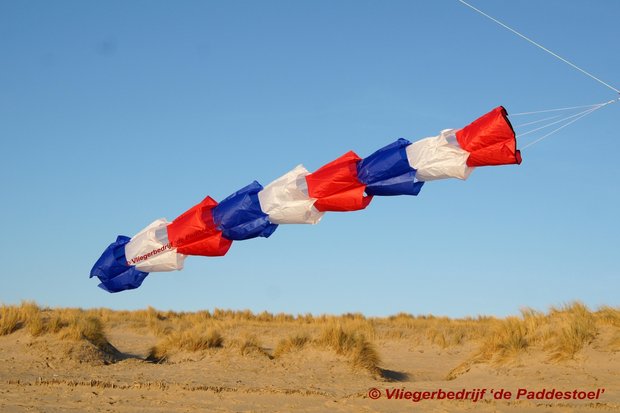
348	183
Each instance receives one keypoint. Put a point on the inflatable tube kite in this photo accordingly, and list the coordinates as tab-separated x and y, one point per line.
348	183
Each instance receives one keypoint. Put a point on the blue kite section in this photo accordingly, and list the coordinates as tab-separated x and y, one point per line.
240	217
387	171
112	269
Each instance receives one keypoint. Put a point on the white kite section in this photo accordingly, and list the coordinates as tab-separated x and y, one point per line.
439	157
149	250
286	200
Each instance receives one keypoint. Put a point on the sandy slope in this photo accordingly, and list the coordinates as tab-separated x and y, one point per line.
48	375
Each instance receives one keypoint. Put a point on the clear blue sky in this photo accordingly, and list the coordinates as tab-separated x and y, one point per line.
116	113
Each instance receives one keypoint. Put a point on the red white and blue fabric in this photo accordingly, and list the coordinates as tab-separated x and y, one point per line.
348	183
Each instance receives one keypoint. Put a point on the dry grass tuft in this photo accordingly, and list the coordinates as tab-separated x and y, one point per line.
9	320
251	345
30	314
353	345
577	329
365	356
291	344
447	335
608	316
194	340
36	325
54	323
508	339
83	327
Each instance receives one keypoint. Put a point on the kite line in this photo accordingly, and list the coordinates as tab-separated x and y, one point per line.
540	46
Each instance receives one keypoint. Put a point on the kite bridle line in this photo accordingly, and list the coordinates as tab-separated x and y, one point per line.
571	119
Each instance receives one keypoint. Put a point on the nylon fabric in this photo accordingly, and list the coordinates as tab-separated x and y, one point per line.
490	140
286	200
240	216
387	172
194	232
439	157
112	270
336	186
150	250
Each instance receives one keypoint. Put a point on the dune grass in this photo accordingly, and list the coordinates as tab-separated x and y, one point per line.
353	344
443	332
576	328
191	340
561	334
251	345
67	324
291	344
9	320
608	316
343	338
84	327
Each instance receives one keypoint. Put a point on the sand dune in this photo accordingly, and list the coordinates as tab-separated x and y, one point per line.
240	362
